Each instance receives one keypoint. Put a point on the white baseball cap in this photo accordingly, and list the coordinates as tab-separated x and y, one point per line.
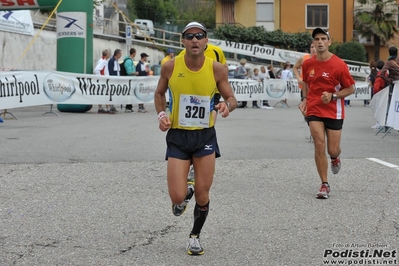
194	24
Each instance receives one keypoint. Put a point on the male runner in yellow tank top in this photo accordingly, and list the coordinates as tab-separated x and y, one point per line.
193	80
216	53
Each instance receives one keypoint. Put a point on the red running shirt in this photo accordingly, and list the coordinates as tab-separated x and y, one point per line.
330	76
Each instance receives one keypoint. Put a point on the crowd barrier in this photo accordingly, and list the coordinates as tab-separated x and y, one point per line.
31	88
385	107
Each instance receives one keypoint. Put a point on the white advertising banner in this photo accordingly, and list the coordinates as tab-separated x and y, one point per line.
278	89
278	55
393	112
71	24
379	105
17	22
29	88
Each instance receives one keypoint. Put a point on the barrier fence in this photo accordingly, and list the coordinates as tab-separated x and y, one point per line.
30	88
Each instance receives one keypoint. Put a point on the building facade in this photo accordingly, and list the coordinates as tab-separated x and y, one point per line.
298	16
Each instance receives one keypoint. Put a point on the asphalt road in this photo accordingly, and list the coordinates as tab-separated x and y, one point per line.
90	189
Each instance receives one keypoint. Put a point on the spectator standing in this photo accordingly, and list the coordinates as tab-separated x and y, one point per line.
264	75
113	63
102	69
171	54
327	82
142	70
241	73
286	74
380	83
371	79
255	76
392	65
130	71
114	70
270	69
381	80
102	64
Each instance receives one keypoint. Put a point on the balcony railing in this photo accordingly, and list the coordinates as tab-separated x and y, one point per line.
103	27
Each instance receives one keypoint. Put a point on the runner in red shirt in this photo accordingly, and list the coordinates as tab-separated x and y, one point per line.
327	82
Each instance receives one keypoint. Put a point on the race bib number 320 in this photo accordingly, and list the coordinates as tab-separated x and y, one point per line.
194	111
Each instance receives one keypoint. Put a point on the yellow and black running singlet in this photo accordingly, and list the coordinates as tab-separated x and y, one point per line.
191	95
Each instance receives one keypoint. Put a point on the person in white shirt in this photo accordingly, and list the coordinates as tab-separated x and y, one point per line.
255	76
114	70
264	75
286	74
102	69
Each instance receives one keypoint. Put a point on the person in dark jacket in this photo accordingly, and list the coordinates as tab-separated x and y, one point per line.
392	65
271	72
130	71
143	71
113	64
114	70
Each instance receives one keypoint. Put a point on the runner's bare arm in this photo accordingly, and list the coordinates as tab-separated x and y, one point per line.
160	95
224	87
160	92
302	105
296	68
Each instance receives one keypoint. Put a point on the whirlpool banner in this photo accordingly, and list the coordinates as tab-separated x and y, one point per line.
29	88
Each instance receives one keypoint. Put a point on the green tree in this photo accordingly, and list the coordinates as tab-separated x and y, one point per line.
376	18
149	9
229	32
334	47
177	11
194	10
352	51
171	10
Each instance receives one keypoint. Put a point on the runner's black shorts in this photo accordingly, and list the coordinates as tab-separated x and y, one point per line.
185	144
216	100
329	123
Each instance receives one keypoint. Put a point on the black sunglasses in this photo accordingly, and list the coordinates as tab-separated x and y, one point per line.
198	36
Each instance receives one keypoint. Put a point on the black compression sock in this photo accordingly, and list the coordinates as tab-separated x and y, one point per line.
200	214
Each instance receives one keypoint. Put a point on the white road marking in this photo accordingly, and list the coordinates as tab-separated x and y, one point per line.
384	163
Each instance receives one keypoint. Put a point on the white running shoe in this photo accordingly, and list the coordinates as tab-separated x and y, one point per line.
194	246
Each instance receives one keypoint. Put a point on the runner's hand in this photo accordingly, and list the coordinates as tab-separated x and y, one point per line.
164	124
223	110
